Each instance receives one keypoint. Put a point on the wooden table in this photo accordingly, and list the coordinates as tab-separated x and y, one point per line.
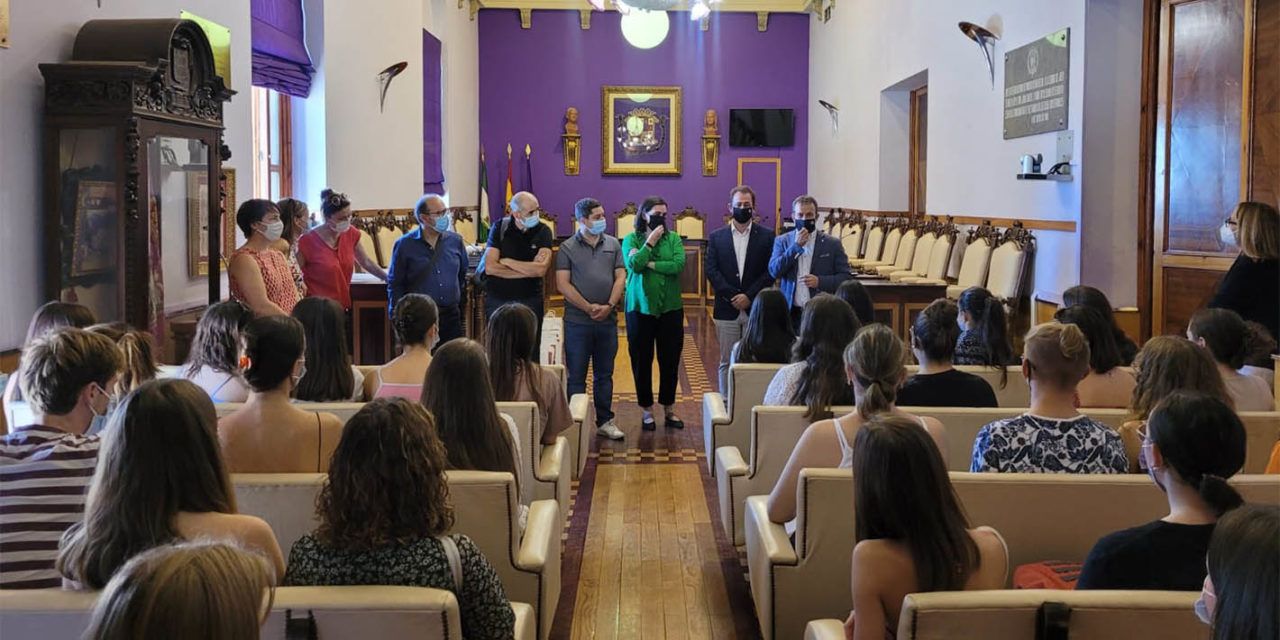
897	303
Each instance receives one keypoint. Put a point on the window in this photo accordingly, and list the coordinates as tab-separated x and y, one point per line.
919	148
272	145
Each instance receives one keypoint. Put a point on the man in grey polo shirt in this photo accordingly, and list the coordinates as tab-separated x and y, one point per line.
590	275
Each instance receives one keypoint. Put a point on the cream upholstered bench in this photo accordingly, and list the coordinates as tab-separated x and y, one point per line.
485	509
808	580
341	613
1012	615
726	425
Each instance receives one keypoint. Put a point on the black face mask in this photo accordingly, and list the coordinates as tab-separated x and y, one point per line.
656	221
808	225
742	215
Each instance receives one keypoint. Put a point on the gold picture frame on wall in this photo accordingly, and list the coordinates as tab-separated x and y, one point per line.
198	220
640	130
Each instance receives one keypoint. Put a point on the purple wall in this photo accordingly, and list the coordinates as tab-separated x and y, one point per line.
529	77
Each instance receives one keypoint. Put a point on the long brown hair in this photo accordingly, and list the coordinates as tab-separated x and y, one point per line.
136	353
217	340
509	341
50	317
160	457
459	396
1173	363
877	359
1243	554
202	590
328	377
827	326
1258	229
387	480
901	492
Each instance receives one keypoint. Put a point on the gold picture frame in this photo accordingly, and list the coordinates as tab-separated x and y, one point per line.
640	130
228	213
198	220
4	24
95	228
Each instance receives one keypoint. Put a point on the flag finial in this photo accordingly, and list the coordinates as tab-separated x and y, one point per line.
528	151
508	149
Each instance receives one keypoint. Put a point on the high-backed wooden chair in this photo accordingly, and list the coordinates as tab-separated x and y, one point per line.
465	223
851	237
975	261
380	229
935	265
625	220
726	423
1007	276
906	252
882	243
690	224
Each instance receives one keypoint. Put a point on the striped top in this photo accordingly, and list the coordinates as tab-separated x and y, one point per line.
44	474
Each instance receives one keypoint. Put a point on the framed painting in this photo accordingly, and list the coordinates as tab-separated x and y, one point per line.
640	131
228	214
94	230
198	220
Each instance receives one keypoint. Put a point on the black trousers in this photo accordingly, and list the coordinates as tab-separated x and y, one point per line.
450	322
665	333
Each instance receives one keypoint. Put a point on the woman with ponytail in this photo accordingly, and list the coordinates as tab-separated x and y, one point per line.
417	327
815	378
1224	334
984	332
1192	444
874	367
135	352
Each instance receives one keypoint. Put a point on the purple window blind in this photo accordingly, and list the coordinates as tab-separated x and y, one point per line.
280	58
432	130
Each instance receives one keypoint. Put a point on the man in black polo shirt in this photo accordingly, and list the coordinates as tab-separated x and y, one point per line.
517	257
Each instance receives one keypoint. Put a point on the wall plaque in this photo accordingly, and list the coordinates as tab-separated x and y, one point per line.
4	24
1035	86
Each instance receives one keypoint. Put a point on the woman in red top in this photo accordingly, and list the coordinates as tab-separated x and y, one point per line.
259	275
328	253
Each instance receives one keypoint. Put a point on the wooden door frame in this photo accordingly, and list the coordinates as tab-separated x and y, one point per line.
913	155
777	185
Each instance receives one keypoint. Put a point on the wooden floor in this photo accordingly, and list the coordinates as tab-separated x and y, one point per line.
644	553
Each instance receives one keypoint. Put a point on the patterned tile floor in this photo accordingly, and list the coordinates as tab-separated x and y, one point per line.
645	556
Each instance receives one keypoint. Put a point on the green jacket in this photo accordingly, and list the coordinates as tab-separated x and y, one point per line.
653	290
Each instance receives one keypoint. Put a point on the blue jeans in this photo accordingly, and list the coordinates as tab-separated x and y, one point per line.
596	343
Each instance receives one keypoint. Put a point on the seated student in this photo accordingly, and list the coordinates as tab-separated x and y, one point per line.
269	434
390	449
938	383
1093	298
816	377
1053	437
1164	365
160	479
1239	596
984	333
1192	445
329	375
203	590
50	317
45	466
510	340
1107	385
415	320
459	395
854	293
1223	333
1259	347
912	534
214	361
769	337
138	362
873	368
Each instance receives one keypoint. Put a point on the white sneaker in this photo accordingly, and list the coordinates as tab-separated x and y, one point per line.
611	431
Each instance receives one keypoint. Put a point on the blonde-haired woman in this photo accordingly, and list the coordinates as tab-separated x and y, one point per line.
1251	287
195	590
875	365
1053	437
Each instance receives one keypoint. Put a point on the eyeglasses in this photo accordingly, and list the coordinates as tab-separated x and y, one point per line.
1145	449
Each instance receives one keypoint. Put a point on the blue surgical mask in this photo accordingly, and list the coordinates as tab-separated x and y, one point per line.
531	222
99	422
594	227
443	223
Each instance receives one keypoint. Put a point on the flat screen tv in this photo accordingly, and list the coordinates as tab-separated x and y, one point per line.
762	127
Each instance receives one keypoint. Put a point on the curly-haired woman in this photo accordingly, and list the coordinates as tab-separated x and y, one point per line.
384	515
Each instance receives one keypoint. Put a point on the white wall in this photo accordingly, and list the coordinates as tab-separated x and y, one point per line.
871	45
44	31
310	159
458	35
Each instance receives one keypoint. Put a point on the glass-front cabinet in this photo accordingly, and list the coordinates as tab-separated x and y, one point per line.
134	188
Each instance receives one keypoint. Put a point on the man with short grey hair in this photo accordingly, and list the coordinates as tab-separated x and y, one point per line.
431	260
517	257
590	274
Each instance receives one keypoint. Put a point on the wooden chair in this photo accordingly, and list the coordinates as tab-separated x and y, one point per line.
381	228
625	220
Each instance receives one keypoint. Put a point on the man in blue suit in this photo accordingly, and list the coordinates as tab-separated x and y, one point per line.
806	261
737	265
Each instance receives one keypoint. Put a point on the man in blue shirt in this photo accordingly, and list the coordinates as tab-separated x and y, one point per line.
431	260
805	261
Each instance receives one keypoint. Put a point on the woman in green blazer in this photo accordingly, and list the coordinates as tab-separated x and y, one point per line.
655	312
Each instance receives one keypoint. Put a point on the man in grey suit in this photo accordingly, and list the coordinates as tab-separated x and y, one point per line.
806	261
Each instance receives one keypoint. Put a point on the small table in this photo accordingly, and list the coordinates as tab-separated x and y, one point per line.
896	304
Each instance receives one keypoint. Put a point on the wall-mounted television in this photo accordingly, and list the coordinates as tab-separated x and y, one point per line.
762	127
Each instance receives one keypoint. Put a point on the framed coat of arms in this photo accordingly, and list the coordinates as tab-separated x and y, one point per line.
640	131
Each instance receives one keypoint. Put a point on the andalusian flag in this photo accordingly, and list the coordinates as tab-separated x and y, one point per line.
506	202
482	224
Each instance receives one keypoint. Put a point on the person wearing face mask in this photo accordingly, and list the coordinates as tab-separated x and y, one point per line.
590	275
259	275
1238	599
1192	444
431	260
654	259
65	378
269	434
806	261
737	266
516	257
1251	287
328	252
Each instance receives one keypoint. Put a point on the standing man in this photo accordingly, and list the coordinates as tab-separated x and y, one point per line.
590	274
431	260
517	257
806	261
737	264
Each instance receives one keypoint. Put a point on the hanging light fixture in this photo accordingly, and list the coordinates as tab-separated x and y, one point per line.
644	29
699	10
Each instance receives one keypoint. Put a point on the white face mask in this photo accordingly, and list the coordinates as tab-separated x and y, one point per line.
273	230
1226	235
341	227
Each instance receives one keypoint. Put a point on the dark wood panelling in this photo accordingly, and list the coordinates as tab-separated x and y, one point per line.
1264	170
1190	290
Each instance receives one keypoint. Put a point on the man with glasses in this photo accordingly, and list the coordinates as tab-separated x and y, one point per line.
431	260
806	261
517	257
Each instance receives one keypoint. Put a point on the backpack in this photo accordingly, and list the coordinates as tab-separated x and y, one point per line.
480	279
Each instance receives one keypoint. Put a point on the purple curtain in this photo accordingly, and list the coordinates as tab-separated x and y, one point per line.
432	130
280	58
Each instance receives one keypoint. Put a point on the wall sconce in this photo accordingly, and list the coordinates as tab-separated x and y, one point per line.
572	142
710	144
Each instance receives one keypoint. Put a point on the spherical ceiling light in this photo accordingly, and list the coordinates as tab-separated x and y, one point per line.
645	29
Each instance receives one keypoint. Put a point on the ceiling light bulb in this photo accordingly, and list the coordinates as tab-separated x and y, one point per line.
698	11
645	29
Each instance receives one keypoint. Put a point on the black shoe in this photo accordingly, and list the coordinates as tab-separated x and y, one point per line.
648	424
673	422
